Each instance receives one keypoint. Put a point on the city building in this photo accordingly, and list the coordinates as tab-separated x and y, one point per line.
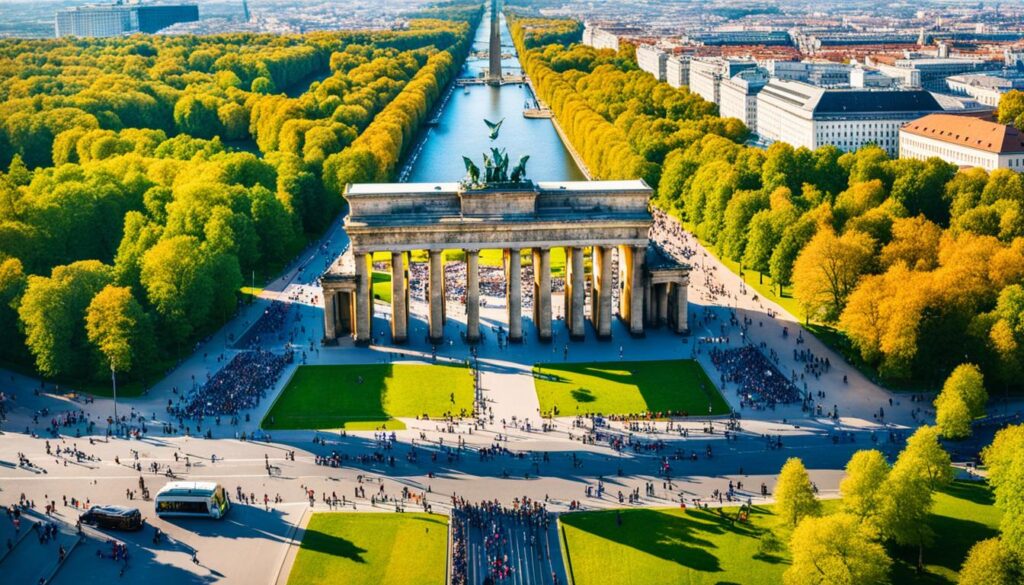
677	70
861	78
931	73
109	20
822	74
652	60
987	88
606	37
741	37
738	95
809	116
156	17
706	75
965	141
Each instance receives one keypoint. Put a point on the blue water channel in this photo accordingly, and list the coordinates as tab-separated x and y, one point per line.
461	129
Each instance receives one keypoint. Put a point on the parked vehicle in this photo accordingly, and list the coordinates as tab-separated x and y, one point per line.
113	517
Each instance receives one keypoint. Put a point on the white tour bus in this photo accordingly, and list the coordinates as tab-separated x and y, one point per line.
192	498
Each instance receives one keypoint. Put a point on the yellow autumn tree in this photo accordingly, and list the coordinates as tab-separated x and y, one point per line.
828	269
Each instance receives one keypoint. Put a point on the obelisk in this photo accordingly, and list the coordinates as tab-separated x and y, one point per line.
494	51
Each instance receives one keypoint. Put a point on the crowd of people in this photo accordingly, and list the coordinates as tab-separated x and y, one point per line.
508	538
670	236
759	383
271	325
237	386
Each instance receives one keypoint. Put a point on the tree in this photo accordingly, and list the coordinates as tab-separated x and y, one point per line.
990	563
196	114
1011	105
836	550
794	494
1006	333
113	321
862	488
179	283
961	400
794	238
12	286
52	311
828	269
883	317
918	186
908	503
915	242
927	458
1004	459
952	416
922	467
968	381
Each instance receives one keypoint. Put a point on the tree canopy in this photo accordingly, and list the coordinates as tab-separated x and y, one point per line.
140	177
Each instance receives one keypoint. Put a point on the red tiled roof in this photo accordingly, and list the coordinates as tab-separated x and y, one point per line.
968	131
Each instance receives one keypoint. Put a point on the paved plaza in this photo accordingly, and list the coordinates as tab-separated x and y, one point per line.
509	454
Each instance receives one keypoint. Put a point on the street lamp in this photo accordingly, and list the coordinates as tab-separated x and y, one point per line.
113	380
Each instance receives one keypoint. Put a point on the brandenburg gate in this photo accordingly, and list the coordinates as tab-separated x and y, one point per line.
398	218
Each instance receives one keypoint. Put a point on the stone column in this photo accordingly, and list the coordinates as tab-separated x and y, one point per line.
681	311
364	298
601	295
542	292
662	295
399	306
650	318
575	293
635	289
435	294
625	281
330	331
472	296
514	288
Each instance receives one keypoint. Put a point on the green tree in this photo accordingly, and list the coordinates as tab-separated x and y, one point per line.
953	416
968	381
794	494
53	310
114	324
12	286
862	488
1004	459
961	400
179	284
196	115
794	238
927	457
836	550
922	467
907	506
990	563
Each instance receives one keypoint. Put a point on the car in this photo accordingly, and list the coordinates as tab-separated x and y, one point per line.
113	517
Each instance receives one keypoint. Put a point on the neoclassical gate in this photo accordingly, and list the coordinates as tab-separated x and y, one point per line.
398	218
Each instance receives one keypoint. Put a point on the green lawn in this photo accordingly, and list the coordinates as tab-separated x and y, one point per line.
382	286
670	546
627	388
380	549
332	397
